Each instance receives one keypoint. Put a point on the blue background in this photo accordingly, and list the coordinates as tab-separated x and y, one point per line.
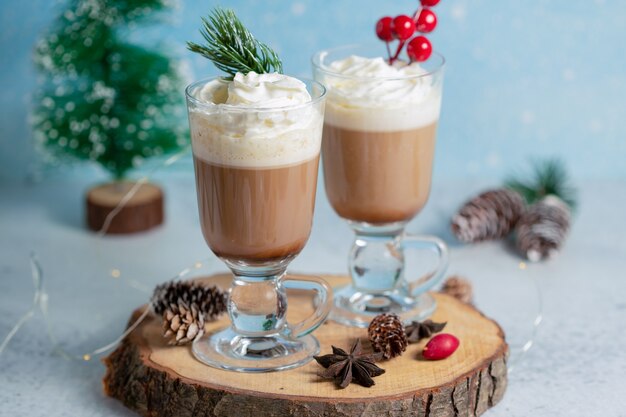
524	78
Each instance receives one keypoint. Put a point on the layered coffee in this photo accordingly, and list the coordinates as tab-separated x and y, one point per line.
378	177
379	139
256	156
256	214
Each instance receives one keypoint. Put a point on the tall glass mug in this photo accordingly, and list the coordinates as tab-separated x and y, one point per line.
377	151
256	176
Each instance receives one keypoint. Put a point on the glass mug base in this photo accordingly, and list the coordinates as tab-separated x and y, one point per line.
227	349
356	308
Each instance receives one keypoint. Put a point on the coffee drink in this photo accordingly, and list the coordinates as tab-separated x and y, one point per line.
378	177
257	214
379	139
256	169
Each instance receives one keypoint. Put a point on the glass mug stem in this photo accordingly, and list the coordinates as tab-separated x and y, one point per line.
257	305
259	338
377	268
376	263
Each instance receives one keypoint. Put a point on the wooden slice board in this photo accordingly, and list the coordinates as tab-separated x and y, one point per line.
158	380
143	211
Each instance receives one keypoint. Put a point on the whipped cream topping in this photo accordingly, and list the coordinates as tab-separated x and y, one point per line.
369	94
255	120
359	66
257	91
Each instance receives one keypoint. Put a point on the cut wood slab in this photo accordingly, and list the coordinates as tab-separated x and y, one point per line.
142	211
158	380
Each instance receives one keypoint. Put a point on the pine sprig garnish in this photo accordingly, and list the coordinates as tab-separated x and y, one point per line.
549	178
231	46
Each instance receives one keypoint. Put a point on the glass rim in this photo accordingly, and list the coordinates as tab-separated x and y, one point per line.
229	108
316	61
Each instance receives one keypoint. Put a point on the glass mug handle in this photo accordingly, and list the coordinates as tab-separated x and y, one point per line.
324	302
438	246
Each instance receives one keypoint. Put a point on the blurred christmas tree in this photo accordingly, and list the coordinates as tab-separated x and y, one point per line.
104	99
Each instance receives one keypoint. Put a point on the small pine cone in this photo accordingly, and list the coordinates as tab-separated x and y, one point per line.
211	301
185	306
182	323
491	215
543	228
459	288
387	335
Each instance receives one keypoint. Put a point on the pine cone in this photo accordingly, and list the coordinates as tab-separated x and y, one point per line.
543	228
459	288
491	215
182	323
211	301
387	335
185	306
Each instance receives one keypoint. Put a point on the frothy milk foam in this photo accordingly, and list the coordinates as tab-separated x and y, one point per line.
359	99
283	130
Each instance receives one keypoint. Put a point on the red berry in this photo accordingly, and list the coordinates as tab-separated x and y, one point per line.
383	29
440	347
429	3
403	27
426	21
419	49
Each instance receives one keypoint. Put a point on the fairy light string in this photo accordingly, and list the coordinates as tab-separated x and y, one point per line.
38	295
519	351
135	188
40	302
41	297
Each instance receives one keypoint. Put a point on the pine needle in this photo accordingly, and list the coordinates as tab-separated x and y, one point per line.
549	178
231	46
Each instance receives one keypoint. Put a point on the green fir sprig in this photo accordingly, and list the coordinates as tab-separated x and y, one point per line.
549	178
232	47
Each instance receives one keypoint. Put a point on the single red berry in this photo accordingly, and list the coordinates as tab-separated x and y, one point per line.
429	3
440	347
403	27
383	29
426	21
419	49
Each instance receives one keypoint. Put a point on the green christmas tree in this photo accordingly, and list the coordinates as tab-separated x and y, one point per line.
103	98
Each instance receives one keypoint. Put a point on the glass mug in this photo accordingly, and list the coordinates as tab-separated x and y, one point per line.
256	206
377	156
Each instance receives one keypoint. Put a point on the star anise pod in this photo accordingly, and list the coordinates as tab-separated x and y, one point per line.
417	331
344	367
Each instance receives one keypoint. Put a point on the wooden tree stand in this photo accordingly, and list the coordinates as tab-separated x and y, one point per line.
157	380
143	211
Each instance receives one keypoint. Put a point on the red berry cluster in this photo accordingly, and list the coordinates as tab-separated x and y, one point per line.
403	27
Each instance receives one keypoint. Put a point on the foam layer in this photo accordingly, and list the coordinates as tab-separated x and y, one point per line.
237	126
369	94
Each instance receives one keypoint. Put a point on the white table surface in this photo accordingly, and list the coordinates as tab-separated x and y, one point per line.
576	367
